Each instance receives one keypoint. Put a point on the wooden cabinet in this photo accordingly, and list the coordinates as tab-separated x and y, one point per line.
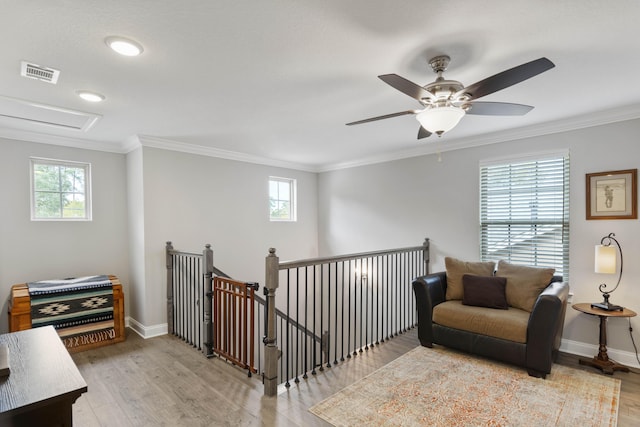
43	383
20	314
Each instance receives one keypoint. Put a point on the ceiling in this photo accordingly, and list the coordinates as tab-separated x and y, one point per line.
274	82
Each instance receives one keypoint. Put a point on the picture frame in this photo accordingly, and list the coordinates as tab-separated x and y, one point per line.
612	195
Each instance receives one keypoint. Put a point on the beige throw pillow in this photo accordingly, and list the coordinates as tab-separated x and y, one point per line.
456	269
524	284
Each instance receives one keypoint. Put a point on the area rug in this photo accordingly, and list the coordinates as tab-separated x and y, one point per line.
441	387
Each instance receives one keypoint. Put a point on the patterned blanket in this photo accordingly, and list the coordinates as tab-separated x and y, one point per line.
80	309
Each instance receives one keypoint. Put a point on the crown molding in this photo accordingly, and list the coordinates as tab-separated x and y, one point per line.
85	144
598	118
131	143
166	144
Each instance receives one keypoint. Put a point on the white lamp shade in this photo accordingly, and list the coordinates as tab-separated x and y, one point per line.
605	260
440	119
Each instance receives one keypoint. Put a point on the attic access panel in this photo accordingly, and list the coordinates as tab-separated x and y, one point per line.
23	114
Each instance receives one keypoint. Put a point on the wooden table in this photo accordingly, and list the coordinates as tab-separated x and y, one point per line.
601	360
44	381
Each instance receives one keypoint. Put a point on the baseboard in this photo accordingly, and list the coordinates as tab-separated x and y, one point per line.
146	331
568	346
578	348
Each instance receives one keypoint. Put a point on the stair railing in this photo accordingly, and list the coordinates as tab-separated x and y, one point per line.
333	308
353	302
210	310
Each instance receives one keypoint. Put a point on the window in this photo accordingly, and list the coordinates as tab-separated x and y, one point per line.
60	190
282	199
524	212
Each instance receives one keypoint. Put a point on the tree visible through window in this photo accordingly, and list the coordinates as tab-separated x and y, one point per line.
60	190
282	203
524	212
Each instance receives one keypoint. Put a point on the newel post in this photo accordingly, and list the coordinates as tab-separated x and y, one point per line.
271	352
425	255
169	261
207	258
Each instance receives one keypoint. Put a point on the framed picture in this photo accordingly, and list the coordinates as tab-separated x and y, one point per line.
612	195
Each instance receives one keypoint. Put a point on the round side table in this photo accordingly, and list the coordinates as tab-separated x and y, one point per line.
602	361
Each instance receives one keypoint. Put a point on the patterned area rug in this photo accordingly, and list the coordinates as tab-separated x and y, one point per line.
441	387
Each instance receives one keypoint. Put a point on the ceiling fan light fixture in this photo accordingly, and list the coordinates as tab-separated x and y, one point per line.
439	120
124	46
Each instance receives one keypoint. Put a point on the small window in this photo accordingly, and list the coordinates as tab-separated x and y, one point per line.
282	199
60	190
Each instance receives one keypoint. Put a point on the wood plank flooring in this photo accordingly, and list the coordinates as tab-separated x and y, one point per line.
629	405
163	382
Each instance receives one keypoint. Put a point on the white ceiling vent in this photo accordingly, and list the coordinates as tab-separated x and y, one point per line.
38	72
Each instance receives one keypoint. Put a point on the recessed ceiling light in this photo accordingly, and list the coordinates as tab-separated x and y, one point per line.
124	46
90	96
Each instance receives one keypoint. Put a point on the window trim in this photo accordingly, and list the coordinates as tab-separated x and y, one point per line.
68	163
538	158
293	215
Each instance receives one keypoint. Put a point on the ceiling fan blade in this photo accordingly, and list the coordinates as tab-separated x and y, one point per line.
386	116
423	133
405	86
506	78
498	109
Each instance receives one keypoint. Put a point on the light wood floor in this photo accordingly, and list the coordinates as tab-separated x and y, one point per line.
163	382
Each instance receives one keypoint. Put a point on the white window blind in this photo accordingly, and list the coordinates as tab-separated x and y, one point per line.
524	212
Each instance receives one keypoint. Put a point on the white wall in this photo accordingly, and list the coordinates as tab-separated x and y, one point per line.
39	250
193	200
140	201
135	221
400	203
149	196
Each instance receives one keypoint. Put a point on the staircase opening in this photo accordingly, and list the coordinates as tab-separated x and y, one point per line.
329	309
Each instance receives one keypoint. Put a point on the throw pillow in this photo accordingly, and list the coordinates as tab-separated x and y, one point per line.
483	291
524	284
457	268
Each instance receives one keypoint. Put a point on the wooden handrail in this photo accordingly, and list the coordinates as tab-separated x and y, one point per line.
325	260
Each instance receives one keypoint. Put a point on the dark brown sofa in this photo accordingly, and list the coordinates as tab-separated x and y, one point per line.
488	332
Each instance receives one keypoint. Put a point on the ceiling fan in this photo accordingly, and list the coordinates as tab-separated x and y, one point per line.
445	102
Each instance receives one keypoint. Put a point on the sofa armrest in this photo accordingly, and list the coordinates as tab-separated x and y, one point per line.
429	291
546	322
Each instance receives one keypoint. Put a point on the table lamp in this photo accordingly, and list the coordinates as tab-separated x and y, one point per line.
605	262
